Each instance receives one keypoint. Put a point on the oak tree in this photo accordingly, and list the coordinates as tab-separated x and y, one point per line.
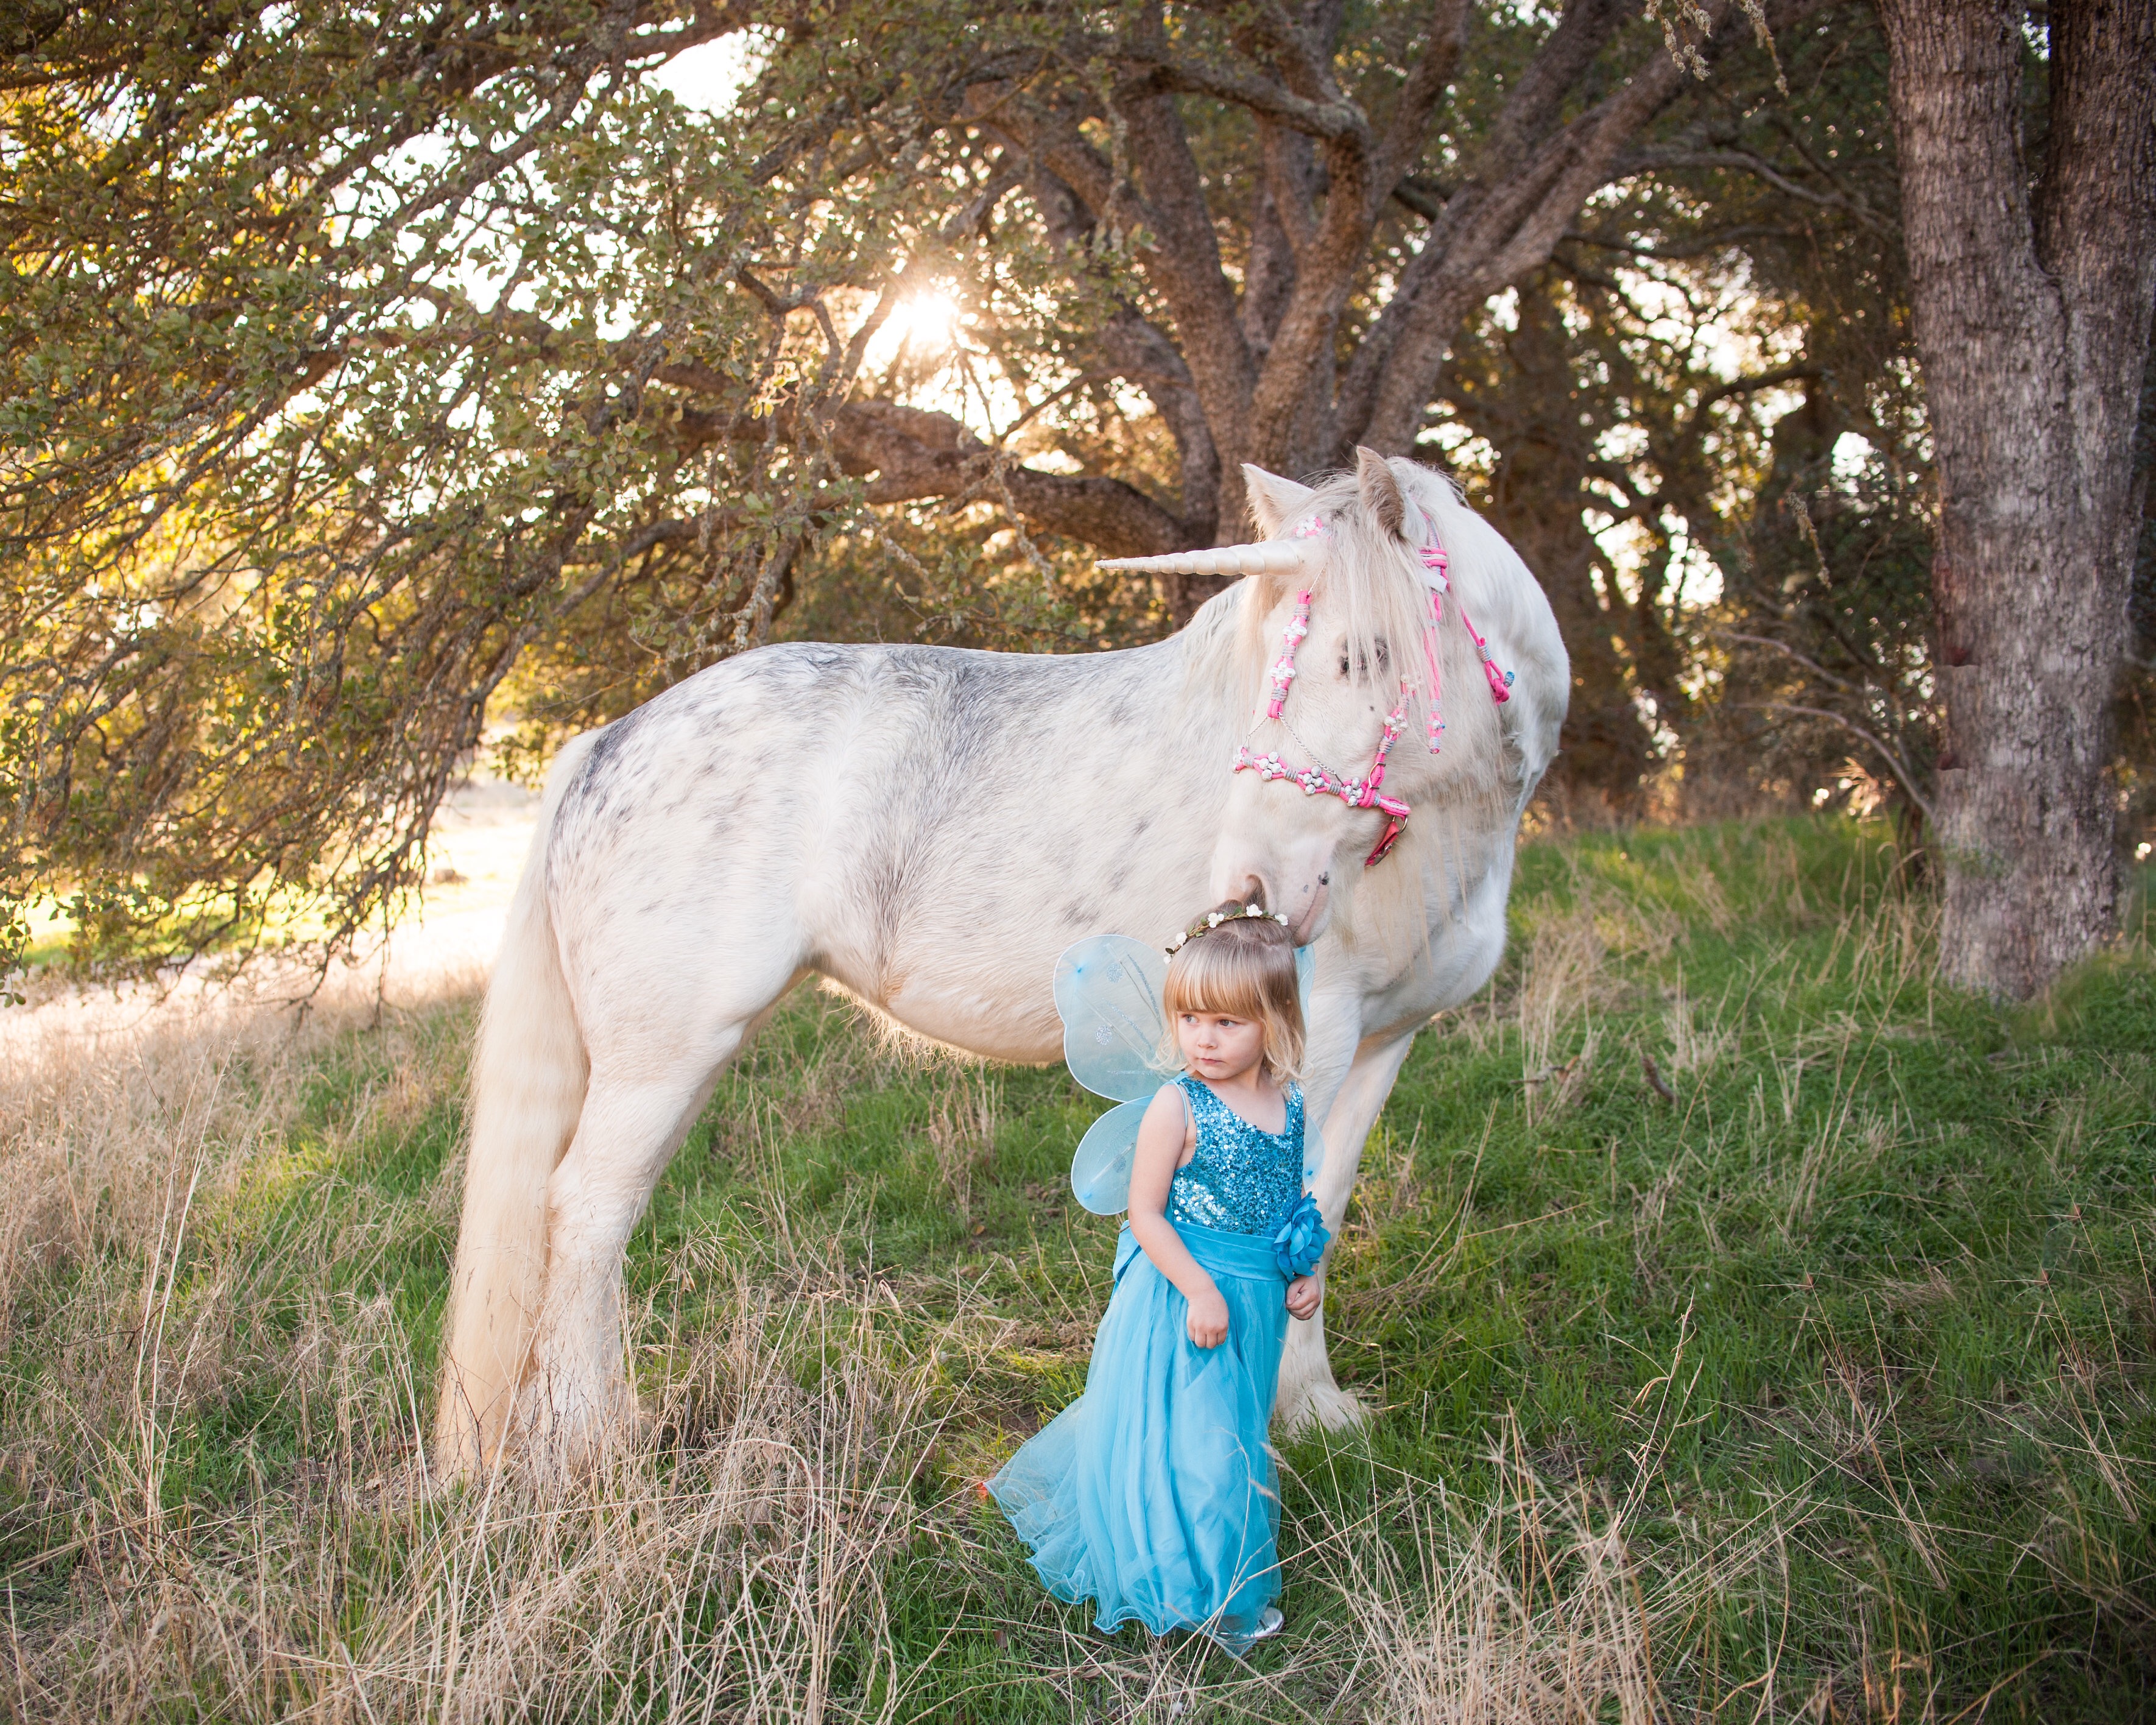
2033	267
358	360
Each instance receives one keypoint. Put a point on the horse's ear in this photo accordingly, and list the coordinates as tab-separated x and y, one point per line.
1381	491
1273	499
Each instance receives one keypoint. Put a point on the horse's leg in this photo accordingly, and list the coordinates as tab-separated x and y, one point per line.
1306	1390
651	1073
579	1394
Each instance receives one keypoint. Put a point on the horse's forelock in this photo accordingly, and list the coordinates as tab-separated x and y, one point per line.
1369	590
1369	586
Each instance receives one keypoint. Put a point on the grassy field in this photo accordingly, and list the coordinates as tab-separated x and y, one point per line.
1753	1330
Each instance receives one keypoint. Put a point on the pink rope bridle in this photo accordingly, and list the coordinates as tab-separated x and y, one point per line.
1317	780
1438	566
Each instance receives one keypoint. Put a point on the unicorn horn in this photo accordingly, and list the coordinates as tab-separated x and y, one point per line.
1271	557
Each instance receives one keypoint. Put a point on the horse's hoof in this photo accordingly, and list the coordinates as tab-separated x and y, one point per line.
1324	1405
569	1457
575	1433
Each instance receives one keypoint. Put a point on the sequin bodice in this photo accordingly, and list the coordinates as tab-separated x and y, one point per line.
1239	1179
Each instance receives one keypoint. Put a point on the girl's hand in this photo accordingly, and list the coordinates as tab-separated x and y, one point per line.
1209	1318
1303	1297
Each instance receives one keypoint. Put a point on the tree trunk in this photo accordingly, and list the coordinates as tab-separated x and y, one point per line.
1536	494
2031	323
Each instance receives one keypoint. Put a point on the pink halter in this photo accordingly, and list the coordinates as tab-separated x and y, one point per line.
1367	793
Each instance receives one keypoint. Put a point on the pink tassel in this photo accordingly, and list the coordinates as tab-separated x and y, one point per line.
1440	567
1434	560
1501	682
1283	670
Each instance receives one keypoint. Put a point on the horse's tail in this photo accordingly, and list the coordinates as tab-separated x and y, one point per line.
527	1089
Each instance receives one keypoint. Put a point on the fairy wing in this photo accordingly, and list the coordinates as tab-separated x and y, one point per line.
1100	1171
1108	989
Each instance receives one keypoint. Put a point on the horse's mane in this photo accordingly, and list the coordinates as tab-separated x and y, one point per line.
1371	601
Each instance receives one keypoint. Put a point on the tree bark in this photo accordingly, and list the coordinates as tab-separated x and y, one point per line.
2031	324
1537	495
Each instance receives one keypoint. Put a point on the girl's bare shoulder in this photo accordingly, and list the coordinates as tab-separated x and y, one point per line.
1168	1109
1167	1117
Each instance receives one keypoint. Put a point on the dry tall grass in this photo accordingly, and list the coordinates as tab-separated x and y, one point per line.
734	1571
1526	1606
730	1568
1523	1607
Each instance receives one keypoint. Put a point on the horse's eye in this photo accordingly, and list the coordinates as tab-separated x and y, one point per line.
1343	665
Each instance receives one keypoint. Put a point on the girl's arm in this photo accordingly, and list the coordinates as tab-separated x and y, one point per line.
1163	1136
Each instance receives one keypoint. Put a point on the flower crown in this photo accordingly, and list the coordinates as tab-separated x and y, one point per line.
1214	919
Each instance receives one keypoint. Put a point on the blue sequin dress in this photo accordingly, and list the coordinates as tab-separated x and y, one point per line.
1154	1494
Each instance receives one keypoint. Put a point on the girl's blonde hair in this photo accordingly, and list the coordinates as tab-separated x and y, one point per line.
1242	968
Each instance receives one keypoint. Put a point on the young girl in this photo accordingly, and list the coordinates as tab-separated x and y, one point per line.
1154	1493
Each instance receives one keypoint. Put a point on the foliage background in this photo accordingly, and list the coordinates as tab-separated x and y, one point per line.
385	394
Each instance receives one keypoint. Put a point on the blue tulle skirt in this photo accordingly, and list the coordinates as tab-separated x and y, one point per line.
1154	1494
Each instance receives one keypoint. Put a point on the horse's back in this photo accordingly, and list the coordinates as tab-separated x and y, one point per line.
927	825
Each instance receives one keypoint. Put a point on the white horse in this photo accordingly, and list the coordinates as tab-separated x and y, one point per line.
928	828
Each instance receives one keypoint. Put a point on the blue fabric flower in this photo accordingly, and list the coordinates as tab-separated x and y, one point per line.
1300	1239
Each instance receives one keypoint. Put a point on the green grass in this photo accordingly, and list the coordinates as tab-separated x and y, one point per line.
1849	1335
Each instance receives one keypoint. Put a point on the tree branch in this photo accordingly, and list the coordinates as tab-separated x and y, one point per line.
1526	188
1887	751
1421	193
1809	663
915	454
1245	90
1654	159
1434	290
1401	146
1700	245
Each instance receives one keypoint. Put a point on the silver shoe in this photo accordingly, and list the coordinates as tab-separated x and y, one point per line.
1236	1644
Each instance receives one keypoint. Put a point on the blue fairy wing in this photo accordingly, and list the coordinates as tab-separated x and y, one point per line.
1313	1151
1100	1171
1108	989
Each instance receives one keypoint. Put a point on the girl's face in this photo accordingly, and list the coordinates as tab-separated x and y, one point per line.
1217	1047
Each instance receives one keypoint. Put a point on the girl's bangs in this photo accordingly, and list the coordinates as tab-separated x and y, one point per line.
1229	982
